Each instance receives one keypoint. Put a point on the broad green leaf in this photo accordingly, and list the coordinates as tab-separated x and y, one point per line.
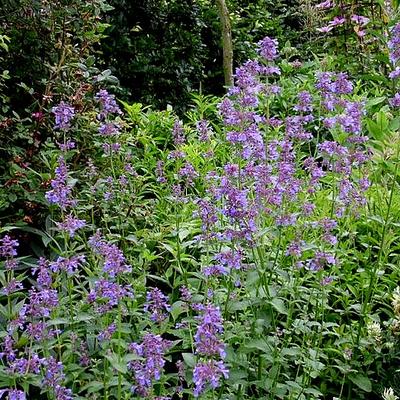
362	381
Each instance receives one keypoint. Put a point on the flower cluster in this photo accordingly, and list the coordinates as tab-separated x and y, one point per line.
8	250
108	104
211	348
114	262
63	113
61	191
71	224
157	305
394	55
151	363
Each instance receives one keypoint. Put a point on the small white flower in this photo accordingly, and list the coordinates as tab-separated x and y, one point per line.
388	394
374	331
396	300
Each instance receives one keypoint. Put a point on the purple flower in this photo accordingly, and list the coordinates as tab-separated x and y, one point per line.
188	172
178	133
54	377
320	260
323	81
230	259
326	280
13	394
305	102
151	364
64	114
41	302
23	366
107	333
114	262
337	21
267	48
123	181
176	155
395	101
42	269
69	265
71	224
324	29
186	295
204	130
394	44
178	194
8	346
61	190
324	5
109	149
39	331
395	73
341	85
207	339
359	20
8	247
208	372
68	145
11	287
160	172
109	293
108	104
295	248
207	213
286	220
109	129
157	305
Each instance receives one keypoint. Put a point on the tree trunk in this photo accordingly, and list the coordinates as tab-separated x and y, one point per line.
226	42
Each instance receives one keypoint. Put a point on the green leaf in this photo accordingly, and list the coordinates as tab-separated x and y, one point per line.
190	359
374	130
177	309
58	321
375	101
362	381
84	317
119	365
258	344
92	387
279	305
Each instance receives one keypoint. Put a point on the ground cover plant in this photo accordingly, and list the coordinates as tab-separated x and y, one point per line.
250	251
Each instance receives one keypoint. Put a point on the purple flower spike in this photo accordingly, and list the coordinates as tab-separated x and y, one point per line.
8	247
211	372
108	104
395	101
157	305
61	189
394	44
151	365
268	48
64	114
206	338
71	225
13	394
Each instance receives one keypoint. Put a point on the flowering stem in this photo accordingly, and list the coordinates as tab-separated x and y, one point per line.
119	396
